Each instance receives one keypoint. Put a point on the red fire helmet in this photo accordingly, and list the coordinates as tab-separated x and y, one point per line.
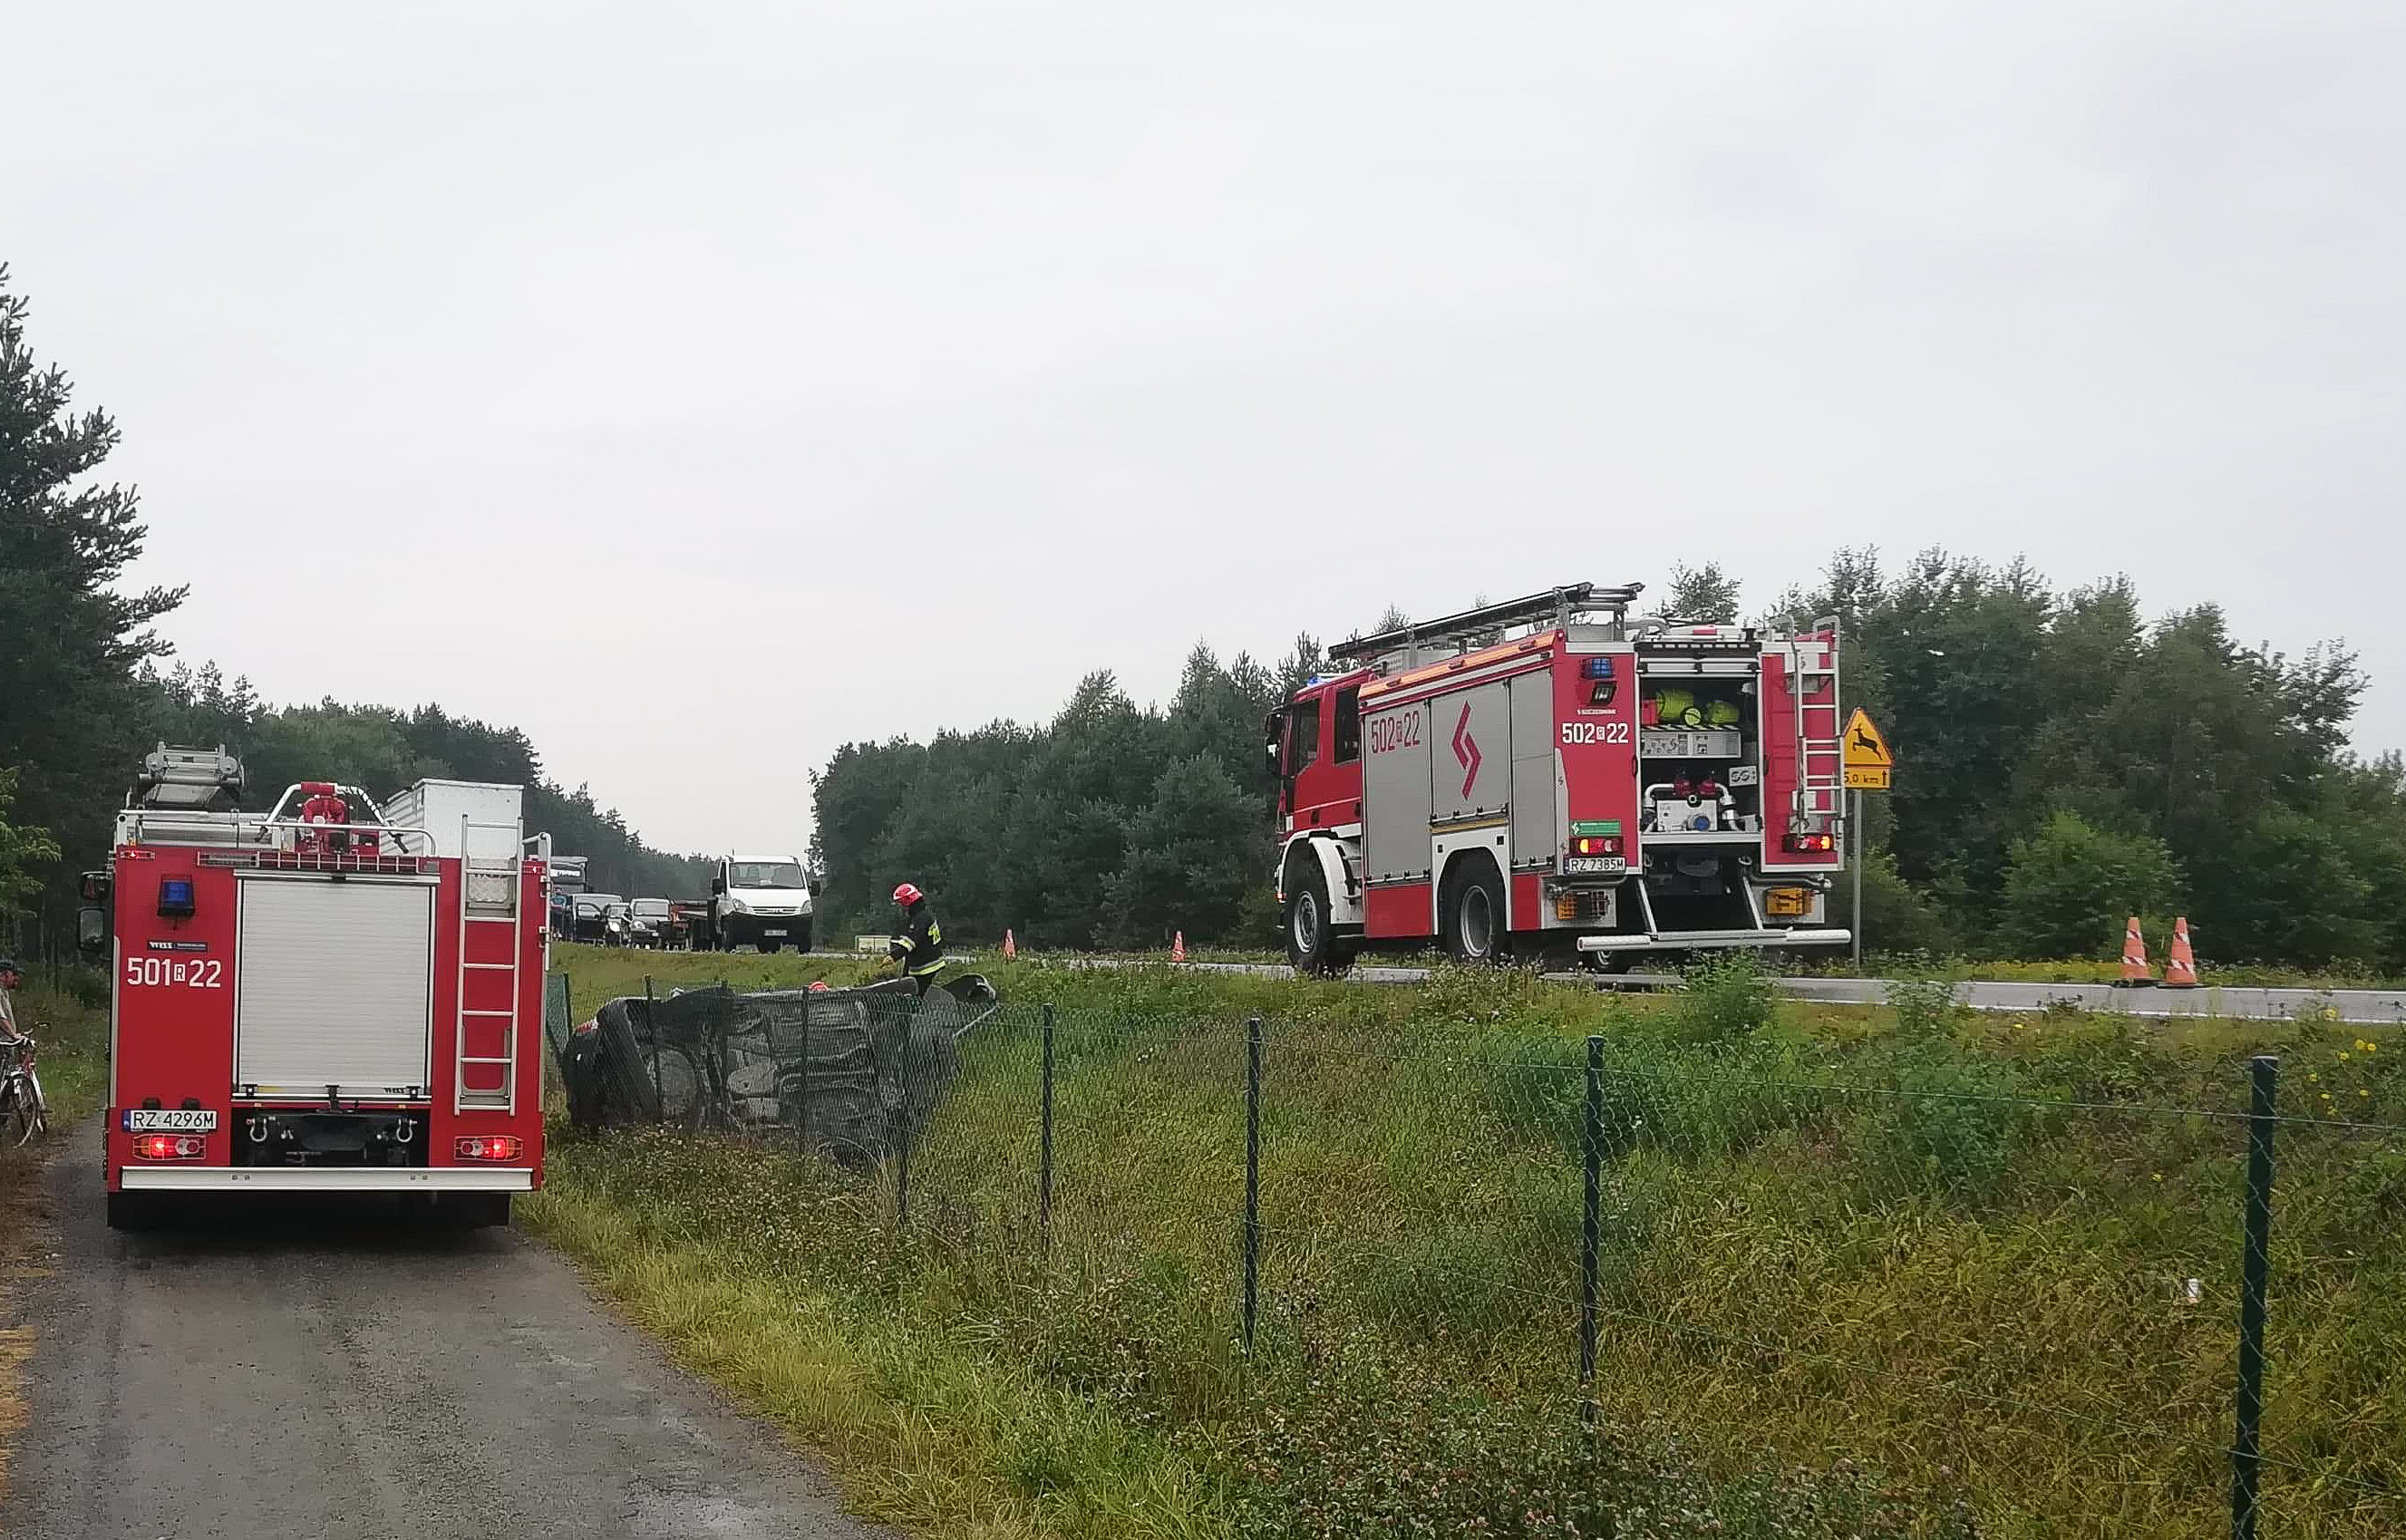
907	894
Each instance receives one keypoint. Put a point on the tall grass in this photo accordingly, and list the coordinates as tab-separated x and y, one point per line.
1908	1270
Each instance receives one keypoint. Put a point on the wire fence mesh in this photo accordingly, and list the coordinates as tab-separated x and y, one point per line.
2022	1309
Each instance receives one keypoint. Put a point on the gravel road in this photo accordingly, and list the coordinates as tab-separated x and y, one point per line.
312	1378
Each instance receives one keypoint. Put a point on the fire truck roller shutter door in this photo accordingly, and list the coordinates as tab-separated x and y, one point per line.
1470	767
333	985
1534	836
1395	793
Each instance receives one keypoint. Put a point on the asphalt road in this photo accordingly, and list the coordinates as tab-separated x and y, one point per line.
313	1377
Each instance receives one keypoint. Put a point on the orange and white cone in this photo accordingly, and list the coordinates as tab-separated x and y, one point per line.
1177	946
2180	965
2135	974
1009	947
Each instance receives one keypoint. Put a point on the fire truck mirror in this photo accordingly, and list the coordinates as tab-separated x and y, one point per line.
92	929
96	887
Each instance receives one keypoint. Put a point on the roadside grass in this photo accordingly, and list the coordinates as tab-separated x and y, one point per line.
69	1019
1909	1257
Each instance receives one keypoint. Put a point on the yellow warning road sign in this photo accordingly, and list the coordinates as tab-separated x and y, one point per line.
1866	748
1868	760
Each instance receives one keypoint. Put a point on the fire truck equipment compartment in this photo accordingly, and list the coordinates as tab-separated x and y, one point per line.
366	942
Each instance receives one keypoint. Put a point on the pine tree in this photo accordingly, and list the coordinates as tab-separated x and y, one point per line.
71	703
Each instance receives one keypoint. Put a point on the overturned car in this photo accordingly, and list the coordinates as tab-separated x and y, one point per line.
850	1073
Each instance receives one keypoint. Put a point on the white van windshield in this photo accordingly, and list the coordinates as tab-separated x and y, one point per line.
764	874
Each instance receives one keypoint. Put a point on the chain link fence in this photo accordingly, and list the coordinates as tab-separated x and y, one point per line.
2068	1312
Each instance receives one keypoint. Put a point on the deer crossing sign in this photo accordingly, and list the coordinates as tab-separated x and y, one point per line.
1868	760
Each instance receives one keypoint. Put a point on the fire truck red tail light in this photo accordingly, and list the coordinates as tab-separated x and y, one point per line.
168	1146
1805	844
486	1146
1592	844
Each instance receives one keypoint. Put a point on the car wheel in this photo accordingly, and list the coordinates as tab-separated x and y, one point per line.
1473	912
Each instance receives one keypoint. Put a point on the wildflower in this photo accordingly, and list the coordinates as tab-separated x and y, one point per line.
2159	1175
2342	1054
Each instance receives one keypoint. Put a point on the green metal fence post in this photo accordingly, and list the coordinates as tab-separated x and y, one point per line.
802	1093
1044	1148
1253	1176
2255	1266
1590	1224
652	1026
902	1126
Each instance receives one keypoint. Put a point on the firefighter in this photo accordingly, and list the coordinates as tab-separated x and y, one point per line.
919	951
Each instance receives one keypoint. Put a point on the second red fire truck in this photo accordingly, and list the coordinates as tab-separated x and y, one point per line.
325	998
1552	780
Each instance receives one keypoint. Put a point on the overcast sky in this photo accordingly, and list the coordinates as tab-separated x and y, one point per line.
713	387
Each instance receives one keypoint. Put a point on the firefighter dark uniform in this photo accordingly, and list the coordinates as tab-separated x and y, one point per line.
919	951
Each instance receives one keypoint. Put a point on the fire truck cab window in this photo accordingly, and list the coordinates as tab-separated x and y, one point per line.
1302	737
1349	724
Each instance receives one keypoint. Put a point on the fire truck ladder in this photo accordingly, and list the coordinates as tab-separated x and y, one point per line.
1488	622
488	895
1819	794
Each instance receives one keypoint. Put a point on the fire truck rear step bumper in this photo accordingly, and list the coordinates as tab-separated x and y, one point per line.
296	1179
1670	939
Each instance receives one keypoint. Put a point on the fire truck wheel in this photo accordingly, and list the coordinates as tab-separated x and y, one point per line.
1311	943
134	1211
473	1210
1472	912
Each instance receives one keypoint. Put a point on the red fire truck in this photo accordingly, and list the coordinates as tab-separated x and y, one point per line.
1548	778
323	999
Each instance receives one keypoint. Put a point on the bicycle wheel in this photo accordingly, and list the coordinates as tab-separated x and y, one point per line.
18	1114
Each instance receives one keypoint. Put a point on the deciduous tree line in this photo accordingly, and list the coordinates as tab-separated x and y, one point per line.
1111	825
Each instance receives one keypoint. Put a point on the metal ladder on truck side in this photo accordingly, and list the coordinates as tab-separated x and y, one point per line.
490	892
1819	794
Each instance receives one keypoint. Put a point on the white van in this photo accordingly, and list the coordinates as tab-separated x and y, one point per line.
761	901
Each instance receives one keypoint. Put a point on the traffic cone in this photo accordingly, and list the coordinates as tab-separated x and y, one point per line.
1177	946
2135	974
1009	947
2180	965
